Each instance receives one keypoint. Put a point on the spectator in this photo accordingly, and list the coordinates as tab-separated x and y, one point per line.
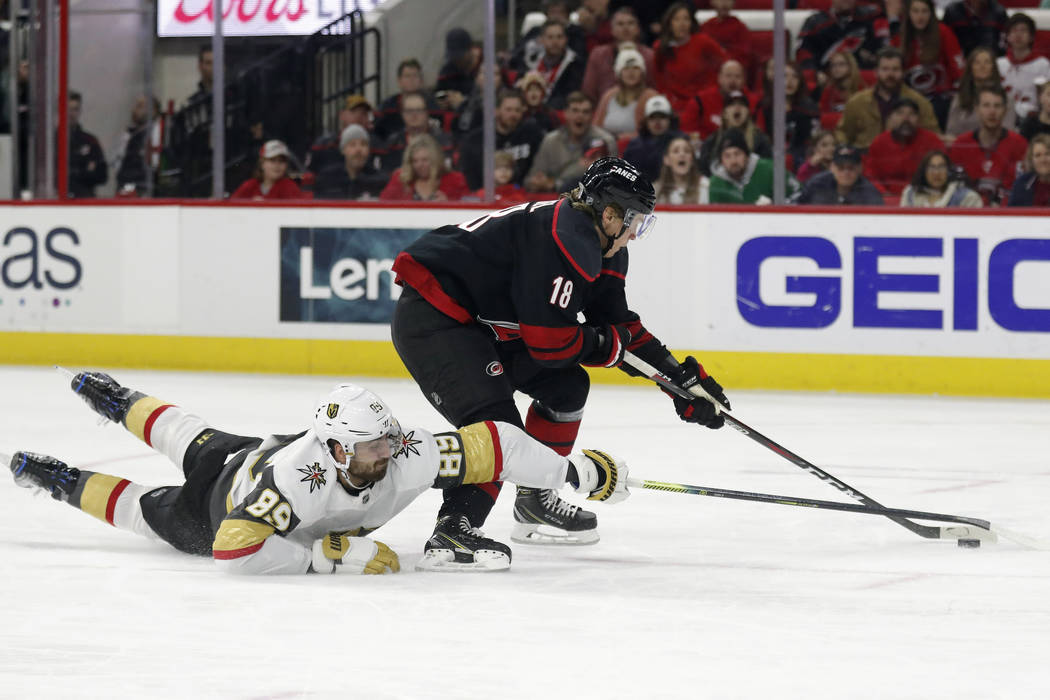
325	151
990	153
514	135
600	74
976	23
844	81
205	67
355	177
559	65
462	60
417	121
802	115
593	18
388	119
645	152
680	181
686	60
87	164
862	29
820	155
980	72
566	152
622	108
423	175
139	153
741	177
842	184
731	34
865	115
1038	122
703	112
469	112
534	91
1032	189
896	153
933	185
270	180
736	116
526	55
933	61
506	192
1021	68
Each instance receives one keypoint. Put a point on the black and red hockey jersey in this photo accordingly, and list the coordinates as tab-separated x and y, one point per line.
527	272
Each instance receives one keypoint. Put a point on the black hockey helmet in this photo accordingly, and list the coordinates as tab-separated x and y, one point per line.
615	181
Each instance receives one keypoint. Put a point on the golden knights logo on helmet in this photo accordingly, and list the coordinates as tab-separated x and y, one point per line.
333	410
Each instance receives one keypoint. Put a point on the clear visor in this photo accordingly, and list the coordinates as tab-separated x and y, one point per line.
638	224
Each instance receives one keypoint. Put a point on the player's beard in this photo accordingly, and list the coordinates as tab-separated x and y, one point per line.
373	471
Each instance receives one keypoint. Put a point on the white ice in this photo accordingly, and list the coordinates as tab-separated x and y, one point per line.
684	597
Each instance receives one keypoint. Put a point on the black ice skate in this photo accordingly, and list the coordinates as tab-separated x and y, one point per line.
456	546
40	471
542	517
102	393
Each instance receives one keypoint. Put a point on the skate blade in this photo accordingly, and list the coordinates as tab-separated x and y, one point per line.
530	533
444	561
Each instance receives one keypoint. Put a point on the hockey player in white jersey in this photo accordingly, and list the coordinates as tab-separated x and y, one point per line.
294	504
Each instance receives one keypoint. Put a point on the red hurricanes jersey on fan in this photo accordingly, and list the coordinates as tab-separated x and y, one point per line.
993	170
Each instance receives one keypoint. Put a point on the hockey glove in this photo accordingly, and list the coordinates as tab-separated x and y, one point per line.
356	555
599	475
698	410
610	343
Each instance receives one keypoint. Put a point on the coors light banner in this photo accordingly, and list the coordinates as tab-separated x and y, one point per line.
253	17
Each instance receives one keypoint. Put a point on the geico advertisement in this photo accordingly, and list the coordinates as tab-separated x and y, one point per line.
898	285
340	275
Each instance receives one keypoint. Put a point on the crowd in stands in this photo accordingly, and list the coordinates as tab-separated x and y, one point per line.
885	104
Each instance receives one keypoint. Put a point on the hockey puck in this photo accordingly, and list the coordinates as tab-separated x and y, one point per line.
970	544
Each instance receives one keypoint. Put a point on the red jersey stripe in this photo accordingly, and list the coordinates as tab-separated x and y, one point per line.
564	251
111	504
409	271
147	429
236	553
497	449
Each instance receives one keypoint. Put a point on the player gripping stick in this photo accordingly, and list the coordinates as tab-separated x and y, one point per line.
294	504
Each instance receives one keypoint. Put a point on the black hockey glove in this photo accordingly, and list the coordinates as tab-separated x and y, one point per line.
699	410
610	344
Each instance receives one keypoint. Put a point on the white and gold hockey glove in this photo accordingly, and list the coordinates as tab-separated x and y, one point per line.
601	476
353	555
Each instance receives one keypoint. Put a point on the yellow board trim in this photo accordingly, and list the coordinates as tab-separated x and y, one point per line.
139	413
95	496
237	534
478	453
960	376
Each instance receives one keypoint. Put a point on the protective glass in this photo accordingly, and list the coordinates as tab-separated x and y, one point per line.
638	224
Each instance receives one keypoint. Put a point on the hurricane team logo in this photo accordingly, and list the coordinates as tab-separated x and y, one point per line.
494	369
406	443
314	475
333	410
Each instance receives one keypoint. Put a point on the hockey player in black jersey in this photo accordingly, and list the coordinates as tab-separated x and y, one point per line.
491	306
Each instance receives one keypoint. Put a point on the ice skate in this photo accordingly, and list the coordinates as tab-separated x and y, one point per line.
40	471
103	394
542	517
456	546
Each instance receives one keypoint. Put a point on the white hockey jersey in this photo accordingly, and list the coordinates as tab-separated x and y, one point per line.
283	499
1020	80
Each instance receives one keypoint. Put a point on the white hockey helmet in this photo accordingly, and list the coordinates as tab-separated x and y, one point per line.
350	414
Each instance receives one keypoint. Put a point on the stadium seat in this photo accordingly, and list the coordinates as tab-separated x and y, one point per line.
1042	43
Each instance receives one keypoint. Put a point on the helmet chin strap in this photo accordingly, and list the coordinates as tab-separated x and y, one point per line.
610	240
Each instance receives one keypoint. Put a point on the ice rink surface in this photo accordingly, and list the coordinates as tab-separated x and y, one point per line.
684	597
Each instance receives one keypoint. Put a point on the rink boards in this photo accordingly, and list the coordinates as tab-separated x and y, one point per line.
955	303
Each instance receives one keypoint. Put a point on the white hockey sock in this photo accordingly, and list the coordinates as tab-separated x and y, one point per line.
113	500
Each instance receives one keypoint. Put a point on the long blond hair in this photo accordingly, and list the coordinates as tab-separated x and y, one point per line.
437	159
1044	140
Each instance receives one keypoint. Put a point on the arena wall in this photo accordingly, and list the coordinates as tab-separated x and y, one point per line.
881	301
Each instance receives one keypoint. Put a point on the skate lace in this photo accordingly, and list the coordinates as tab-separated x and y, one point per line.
550	500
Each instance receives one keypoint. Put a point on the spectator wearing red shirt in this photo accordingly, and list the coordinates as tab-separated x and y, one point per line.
270	180
1033	188
730	33
423	176
933	61
703	113
505	191
896	153
600	76
844	81
593	18
990	154
686	60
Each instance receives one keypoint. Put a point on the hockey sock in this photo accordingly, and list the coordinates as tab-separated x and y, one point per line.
472	500
113	500
163	426
555	430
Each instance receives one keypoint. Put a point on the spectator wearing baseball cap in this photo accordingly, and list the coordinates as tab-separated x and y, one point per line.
736	115
325	151
462	60
270	180
842	183
621	110
896	153
646	150
356	176
742	177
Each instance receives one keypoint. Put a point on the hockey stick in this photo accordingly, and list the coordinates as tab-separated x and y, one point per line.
927	531
980	530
